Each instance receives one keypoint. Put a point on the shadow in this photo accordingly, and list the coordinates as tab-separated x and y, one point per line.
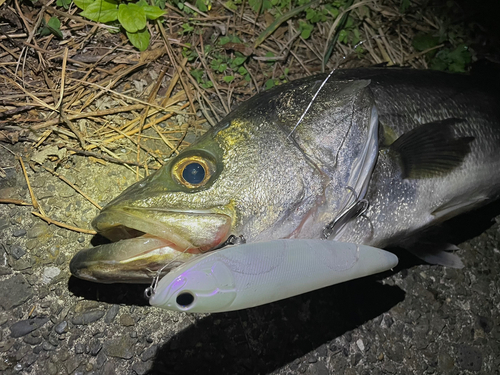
129	294
265	338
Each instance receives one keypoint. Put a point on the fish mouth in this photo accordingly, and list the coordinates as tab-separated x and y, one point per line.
147	241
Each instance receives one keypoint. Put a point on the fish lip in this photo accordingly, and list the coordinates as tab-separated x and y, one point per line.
144	245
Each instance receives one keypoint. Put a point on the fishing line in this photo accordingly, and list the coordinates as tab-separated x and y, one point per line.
150	291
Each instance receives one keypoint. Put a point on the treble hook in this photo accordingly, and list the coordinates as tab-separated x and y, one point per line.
356	208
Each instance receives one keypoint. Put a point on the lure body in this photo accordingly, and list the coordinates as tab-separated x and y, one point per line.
250	275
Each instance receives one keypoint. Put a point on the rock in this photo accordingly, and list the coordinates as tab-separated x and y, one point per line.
141	368
95	347
5	271
72	363
121	348
469	358
109	369
60	328
24	327
14	292
87	317
126	320
6	345
19	232
49	273
111	313
38	230
17	252
445	362
32	340
149	353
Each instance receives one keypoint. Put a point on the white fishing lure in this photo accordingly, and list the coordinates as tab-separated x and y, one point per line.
249	275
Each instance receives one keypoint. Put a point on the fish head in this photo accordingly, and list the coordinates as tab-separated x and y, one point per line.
243	178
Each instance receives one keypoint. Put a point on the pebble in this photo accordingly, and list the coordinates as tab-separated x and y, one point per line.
469	358
149	353
141	368
95	347
32	340
17	252
126	320
60	328
49	273
121	348
87	317
19	232
38	230
79	348
111	314
24	327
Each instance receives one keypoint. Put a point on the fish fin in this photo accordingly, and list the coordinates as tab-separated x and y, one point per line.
458	205
437	254
431	149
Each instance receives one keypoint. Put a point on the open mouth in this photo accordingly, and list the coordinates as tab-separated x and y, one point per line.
147	241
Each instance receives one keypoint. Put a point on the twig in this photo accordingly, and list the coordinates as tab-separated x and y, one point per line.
19	202
62	225
32	194
73	186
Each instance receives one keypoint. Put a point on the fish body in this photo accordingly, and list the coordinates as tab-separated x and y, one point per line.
418	147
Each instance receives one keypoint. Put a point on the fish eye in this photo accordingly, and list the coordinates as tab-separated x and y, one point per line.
193	171
184	299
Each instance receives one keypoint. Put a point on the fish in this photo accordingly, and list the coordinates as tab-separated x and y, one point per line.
249	275
369	156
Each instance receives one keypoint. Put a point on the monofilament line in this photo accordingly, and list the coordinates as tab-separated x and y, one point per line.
311	102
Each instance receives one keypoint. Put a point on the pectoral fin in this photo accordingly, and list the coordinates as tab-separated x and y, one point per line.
431	149
437	254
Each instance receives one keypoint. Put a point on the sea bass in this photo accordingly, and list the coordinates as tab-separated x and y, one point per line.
370	156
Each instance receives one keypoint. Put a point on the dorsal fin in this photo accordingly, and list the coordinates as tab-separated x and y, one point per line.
431	149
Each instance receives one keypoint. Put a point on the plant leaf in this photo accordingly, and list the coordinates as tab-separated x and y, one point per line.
132	17
83	4
140	39
101	11
153	12
278	21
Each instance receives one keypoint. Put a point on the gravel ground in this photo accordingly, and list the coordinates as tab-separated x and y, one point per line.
418	319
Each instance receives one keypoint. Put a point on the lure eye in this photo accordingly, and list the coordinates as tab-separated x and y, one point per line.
193	171
184	299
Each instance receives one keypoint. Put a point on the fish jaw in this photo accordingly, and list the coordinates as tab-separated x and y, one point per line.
148	241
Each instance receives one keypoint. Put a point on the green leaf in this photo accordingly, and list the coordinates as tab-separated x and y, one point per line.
278	21
421	42
228	79
305	29
239	60
63	3
242	70
200	4
101	11
55	27
52	27
83	4
270	84
197	74
231	5
140	39
132	17
224	40
207	85
153	13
